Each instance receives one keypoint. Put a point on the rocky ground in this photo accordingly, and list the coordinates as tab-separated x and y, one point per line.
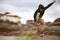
49	34
28	32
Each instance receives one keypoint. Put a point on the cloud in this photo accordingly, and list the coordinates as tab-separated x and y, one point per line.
47	18
16	11
58	1
54	12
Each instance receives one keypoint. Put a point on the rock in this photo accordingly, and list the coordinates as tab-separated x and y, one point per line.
57	22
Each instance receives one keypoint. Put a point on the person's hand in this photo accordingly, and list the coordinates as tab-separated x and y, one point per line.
36	24
54	1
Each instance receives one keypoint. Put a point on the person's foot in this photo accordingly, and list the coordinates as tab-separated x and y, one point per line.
41	35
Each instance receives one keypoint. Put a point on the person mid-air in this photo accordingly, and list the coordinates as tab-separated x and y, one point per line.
39	13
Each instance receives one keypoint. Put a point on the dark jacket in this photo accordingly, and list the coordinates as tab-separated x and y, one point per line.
41	9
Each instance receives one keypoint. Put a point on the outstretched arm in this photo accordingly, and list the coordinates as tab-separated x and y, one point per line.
49	5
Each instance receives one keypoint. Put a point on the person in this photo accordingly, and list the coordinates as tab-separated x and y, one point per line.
39	13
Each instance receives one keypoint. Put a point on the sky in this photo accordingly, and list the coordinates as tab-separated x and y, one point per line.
26	8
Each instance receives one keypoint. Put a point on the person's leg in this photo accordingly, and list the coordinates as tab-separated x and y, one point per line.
37	18
40	31
42	25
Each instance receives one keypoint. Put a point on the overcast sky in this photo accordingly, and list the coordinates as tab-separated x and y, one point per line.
26	8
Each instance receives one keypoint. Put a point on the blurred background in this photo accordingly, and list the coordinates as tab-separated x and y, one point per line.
26	8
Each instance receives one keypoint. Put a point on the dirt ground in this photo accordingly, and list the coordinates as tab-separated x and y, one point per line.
47	37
